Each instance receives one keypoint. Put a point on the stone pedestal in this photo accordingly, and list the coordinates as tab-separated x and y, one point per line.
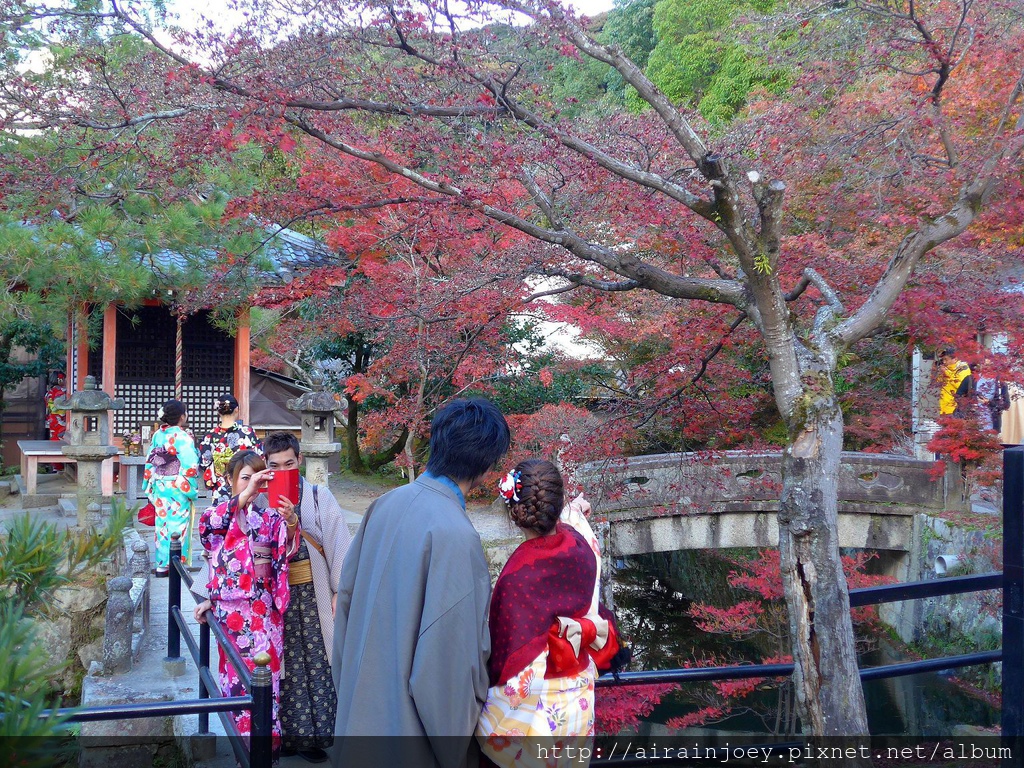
316	457
90	460
125	743
317	443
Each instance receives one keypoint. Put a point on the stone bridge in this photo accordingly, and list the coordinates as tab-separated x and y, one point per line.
674	501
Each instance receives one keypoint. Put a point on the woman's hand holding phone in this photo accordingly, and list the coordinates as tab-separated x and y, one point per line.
257	484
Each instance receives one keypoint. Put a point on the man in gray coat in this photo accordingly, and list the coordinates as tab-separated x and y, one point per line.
410	639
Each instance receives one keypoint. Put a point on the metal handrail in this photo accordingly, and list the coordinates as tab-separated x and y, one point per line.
915	590
226	647
759	671
208	686
154	709
259	753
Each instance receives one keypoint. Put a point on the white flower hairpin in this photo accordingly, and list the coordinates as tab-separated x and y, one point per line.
510	486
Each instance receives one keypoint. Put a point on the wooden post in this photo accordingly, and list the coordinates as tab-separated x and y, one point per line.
242	365
109	372
69	353
108	378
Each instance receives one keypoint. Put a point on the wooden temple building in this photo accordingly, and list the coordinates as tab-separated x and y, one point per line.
148	354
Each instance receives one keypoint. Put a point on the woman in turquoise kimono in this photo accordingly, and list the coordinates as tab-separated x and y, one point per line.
171	481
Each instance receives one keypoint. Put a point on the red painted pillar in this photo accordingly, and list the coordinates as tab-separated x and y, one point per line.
242	365
69	353
108	376
109	349
82	350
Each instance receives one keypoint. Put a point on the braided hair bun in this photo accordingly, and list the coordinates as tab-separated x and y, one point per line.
541	498
226	405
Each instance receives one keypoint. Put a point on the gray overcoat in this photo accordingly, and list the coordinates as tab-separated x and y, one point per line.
410	639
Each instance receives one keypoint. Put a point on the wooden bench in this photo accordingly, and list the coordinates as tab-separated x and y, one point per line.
48	452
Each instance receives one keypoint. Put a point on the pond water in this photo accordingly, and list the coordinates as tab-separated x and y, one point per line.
653	594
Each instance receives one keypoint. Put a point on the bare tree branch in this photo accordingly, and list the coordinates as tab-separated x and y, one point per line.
625	264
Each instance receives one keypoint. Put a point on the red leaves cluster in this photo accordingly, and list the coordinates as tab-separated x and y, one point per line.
763	614
736	620
620	707
963	441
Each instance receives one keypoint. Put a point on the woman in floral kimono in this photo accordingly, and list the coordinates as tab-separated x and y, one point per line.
548	638
248	549
171	481
220	444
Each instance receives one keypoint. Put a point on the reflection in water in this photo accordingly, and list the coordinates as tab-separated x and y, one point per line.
652	596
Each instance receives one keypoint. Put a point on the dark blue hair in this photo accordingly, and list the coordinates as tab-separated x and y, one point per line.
467	438
279	442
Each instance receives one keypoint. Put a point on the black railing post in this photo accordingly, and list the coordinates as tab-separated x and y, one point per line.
261	735
1013	602
204	661
173	601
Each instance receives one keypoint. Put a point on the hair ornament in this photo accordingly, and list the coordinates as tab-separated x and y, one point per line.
160	414
510	486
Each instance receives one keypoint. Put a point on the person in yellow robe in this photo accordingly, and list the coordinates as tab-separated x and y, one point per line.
955	380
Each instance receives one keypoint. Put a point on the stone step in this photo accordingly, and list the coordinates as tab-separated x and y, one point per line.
68	507
34	500
135	741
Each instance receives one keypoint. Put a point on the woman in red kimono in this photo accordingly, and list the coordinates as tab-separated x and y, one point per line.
548	637
248	551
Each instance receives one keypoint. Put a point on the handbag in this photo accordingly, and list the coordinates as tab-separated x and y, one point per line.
147	514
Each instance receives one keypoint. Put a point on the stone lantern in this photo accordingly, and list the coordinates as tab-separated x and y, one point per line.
317	443
88	438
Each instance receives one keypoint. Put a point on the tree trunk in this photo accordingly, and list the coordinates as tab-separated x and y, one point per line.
355	459
378	460
830	699
410	455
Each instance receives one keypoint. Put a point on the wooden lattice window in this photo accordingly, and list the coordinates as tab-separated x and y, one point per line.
145	366
145	345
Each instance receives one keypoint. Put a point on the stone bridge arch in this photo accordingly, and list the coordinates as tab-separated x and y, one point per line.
675	501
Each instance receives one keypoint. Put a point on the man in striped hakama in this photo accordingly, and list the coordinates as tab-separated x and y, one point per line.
308	700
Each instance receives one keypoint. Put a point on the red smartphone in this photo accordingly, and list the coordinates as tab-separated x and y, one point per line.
285	482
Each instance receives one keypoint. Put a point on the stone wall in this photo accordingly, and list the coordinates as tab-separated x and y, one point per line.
743	481
976	616
72	630
963	622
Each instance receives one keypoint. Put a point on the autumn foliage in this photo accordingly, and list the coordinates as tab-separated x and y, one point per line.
759	621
